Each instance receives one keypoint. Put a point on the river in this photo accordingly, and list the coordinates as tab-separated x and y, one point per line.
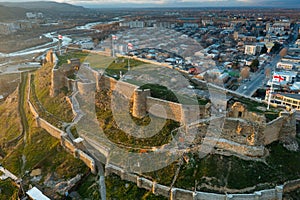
54	36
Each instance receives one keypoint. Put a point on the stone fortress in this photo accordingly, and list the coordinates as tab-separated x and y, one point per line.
244	133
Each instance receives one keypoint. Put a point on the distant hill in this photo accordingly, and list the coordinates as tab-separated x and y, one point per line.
47	7
11	13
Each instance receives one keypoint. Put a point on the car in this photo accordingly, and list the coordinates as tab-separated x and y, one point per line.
245	87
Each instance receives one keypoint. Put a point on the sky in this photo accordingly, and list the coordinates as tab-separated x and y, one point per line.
179	3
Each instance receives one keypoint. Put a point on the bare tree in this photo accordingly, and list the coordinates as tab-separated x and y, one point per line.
268	72
245	72
283	52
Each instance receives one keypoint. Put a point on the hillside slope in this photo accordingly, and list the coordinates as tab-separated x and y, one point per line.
47	7
12	13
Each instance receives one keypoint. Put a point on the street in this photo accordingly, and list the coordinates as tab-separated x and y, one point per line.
257	79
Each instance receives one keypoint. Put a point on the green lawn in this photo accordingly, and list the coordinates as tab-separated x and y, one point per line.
9	121
115	189
107	123
41	150
232	172
162	92
65	57
119	189
57	106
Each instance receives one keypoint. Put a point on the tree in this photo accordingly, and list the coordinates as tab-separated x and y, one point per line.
268	72
283	52
264	49
254	65
245	73
235	65
276	48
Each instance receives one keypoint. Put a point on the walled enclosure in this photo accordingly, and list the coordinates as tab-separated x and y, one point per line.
241	127
175	193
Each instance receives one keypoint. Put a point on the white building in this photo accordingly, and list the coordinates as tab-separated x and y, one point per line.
285	65
254	48
32	15
190	25
288	77
35	193
87	45
250	49
133	24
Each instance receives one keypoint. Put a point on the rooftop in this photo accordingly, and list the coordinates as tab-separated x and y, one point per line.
35	193
292	96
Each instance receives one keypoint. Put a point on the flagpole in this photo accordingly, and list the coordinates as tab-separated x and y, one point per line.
271	90
270	94
112	46
128	63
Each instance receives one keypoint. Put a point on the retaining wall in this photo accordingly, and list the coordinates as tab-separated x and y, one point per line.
181	194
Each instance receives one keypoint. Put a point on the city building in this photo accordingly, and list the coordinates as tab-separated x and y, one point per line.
133	24
285	65
283	78
253	49
285	99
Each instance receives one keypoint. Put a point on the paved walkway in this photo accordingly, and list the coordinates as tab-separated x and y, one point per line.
7	174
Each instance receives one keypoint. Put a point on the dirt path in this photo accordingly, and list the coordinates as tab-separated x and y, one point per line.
24	122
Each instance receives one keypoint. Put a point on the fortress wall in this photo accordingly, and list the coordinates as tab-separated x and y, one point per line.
89	161
161	190
289	126
241	131
143	102
57	81
97	77
164	109
125	89
69	100
106	82
68	145
70	83
139	109
103	53
130	177
112	169
86	88
32	109
192	113
207	196
272	130
52	130
177	194
241	149
223	144
145	183
50	56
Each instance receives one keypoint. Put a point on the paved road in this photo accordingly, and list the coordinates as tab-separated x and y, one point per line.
257	79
